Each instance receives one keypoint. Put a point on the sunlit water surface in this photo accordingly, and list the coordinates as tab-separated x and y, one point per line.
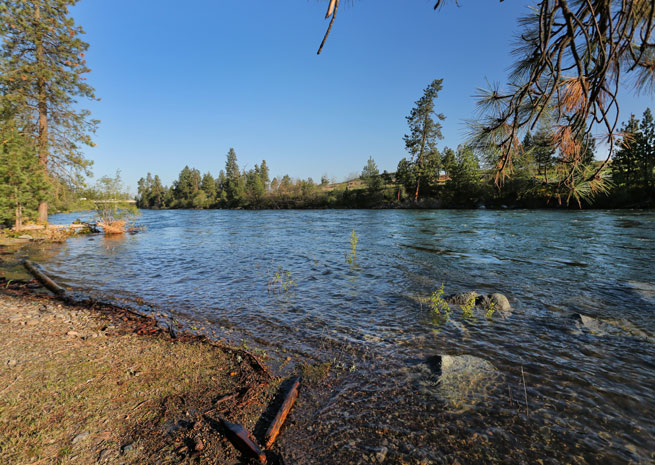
590	398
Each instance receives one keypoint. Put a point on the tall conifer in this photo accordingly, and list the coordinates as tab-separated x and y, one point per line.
43	76
424	130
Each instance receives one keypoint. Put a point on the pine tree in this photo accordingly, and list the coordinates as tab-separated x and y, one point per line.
424	130
449	161
405	175
254	188
264	175
187	187
543	149
158	193
624	164
22	179
43	76
465	177
233	184
221	194
371	176
208	186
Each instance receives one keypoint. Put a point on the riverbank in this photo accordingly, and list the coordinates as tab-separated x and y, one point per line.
86	385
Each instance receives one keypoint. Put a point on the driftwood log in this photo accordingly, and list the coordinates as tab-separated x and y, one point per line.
43	279
289	398
241	439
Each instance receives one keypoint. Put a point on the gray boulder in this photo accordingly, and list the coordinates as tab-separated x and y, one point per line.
499	301
462	298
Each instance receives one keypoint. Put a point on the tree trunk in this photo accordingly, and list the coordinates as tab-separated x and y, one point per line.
43	111
19	212
420	155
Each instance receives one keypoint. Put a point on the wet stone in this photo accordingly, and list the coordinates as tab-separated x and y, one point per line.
463	380
381	454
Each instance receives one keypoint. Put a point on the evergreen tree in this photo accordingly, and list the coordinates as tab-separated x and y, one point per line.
424	130
187	187
143	191
233	183
543	149
624	163
371	176
588	149
465	177
254	188
157	194
449	161
22	178
405	175
432	171
208	186
221	195
43	76
264	175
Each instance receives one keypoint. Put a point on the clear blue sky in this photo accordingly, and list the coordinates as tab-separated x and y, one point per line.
182	82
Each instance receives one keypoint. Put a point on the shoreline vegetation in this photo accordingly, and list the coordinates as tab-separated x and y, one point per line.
430	178
110	384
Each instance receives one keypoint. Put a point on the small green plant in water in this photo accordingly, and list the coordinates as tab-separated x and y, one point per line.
281	281
439	305
491	309
353	248
467	308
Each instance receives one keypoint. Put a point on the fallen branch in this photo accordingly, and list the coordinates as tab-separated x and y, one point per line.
241	439
289	398
43	279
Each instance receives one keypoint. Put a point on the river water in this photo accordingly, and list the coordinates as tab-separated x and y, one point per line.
561	394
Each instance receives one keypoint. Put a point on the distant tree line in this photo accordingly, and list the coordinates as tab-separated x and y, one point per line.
447	178
432	178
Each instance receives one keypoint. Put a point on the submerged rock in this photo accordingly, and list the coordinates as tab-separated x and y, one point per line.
499	301
462	298
598	327
463	380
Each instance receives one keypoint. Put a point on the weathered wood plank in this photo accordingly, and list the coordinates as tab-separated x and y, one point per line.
289	398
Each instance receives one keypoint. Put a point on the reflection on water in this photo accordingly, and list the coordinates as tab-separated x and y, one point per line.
562	395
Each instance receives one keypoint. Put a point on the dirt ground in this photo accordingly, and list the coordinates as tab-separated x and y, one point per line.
87	384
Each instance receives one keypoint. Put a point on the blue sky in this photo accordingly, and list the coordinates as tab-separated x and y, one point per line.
182	82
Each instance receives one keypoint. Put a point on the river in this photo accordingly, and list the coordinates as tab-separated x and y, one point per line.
562	394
